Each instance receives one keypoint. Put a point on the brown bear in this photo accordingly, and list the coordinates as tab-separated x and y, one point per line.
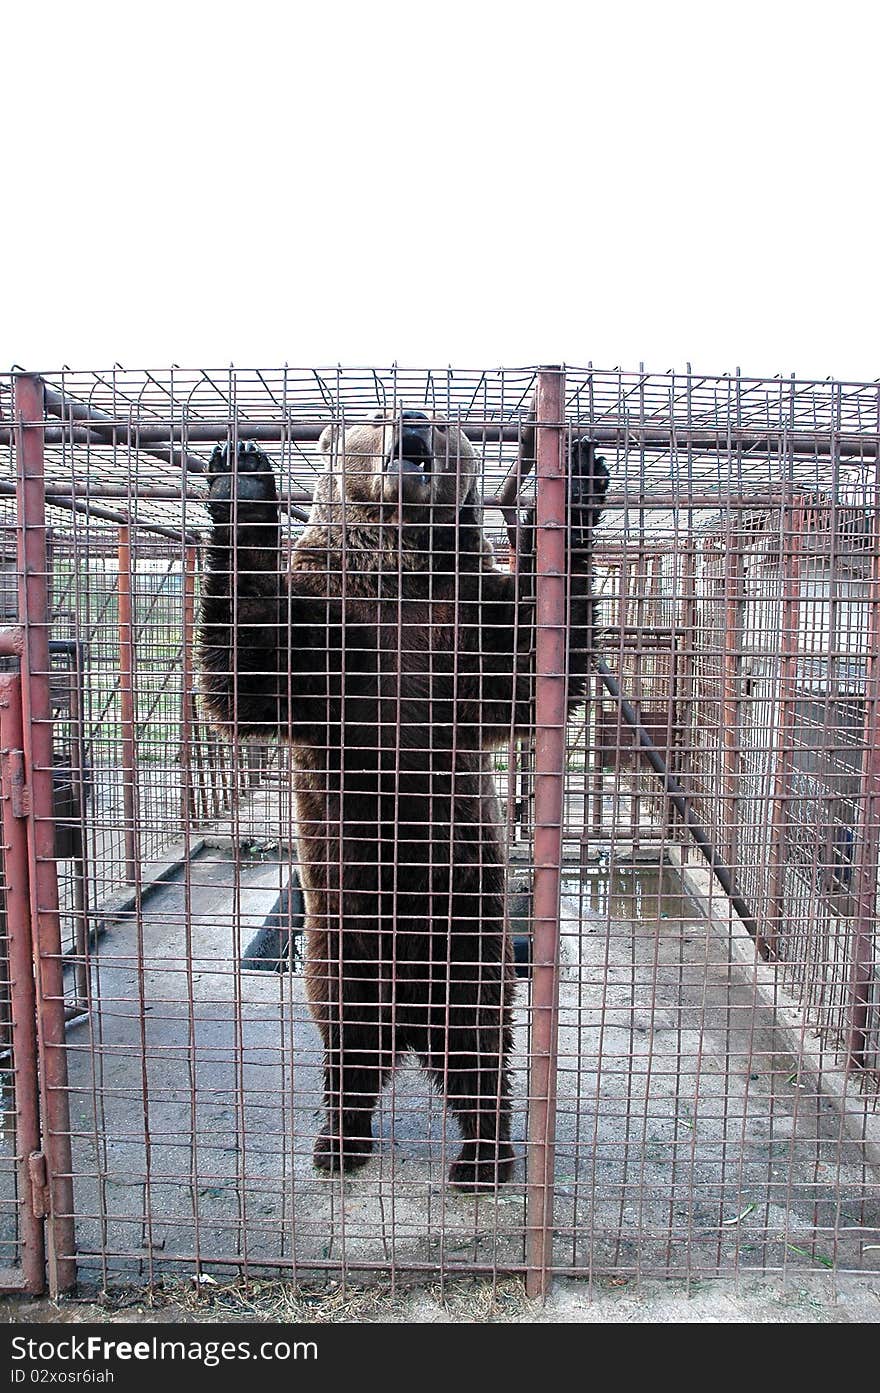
394	655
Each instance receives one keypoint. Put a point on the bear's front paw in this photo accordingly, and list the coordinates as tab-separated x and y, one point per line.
334	1154
588	484
482	1166
241	486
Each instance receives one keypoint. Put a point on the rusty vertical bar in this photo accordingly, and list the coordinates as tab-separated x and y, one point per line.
21	979
790	552
684	764
33	597
731	661
80	860
597	779
869	842
550	723
126	698
187	724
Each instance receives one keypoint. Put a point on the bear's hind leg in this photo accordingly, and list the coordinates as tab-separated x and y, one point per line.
469	1066
357	1063
479	1096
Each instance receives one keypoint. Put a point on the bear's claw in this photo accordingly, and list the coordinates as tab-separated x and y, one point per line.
588	480
588	484
250	482
482	1166
354	1153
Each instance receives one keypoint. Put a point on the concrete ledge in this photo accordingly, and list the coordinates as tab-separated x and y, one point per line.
860	1119
154	875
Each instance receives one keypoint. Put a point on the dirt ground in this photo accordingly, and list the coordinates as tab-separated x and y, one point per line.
687	1141
803	1300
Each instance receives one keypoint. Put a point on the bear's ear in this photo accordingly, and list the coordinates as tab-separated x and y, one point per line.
327	439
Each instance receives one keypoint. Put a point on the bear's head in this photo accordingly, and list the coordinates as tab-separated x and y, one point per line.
399	464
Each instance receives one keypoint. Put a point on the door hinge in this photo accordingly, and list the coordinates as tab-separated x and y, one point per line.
40	1202
13	777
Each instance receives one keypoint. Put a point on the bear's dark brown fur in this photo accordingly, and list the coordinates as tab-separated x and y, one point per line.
393	655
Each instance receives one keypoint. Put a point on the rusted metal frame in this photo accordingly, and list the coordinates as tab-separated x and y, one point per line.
158	441
216	775
791	525
11	642
635	587
681	801
520	748
668	656
625	602
290	498
551	685
81	876
126	701
514	744
34	614
140	629
688	655
105	429
187	707
644	652
674	663
64	498
731	665
101	437
161	435
616	630
824	852
593	818
864	928
21	981
333	1265
70	500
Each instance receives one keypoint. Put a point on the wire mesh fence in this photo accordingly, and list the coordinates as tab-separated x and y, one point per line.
452	823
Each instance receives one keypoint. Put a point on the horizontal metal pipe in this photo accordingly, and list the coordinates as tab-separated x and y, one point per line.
75	505
292	497
56	436
102	425
158	493
160	438
103	429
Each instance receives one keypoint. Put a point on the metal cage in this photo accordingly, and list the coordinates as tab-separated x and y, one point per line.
690	858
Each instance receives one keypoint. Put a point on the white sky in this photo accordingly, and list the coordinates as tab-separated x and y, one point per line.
473	183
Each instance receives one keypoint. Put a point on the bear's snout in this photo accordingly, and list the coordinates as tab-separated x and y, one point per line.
408	463
411	447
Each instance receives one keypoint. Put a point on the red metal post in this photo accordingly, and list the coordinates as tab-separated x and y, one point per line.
37	739
21	978
550	725
126	700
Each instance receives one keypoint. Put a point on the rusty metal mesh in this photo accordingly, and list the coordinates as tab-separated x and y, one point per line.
714	1072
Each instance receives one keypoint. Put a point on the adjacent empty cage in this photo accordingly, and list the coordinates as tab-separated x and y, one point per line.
688	856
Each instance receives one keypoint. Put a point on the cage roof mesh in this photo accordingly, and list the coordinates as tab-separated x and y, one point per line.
670	439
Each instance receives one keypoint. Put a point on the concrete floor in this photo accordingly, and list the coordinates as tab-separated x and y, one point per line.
687	1141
